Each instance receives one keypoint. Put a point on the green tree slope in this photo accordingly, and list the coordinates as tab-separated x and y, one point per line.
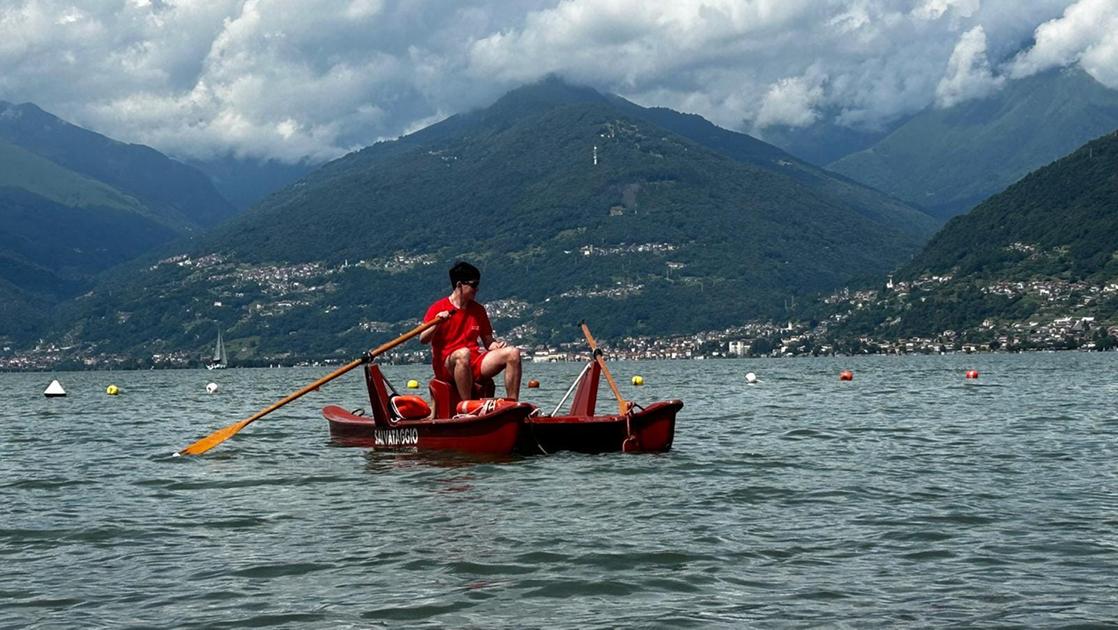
664	234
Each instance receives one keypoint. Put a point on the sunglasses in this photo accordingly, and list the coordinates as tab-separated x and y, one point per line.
471	283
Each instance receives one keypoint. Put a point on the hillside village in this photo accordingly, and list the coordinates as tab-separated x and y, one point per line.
1067	325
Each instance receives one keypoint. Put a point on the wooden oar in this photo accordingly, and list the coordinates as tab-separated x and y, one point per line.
622	404
219	436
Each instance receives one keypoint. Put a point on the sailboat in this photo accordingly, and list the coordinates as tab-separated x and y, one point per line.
219	359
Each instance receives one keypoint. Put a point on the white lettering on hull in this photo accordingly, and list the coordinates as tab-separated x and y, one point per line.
396	437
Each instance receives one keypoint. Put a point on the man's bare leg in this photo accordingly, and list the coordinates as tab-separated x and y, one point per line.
507	359
458	364
512	374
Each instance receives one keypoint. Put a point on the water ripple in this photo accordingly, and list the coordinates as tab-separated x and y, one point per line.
905	498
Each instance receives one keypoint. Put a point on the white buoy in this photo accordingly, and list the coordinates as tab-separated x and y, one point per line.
211	388
54	390
750	377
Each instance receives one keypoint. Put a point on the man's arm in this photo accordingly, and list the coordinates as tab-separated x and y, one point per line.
492	343
425	336
488	341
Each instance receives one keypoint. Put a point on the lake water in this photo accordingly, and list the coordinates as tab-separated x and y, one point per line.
907	497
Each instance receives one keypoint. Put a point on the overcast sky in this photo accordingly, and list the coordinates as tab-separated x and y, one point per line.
307	78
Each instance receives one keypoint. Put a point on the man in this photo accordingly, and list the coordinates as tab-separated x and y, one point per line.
455	353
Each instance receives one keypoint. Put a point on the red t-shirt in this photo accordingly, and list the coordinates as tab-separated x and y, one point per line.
460	330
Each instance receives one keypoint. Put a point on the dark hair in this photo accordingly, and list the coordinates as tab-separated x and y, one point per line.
463	271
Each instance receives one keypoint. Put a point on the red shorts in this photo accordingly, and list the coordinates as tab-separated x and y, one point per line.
476	355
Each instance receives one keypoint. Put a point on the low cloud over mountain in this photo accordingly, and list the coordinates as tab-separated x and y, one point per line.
315	79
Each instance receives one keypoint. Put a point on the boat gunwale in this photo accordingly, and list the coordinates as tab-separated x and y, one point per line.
348	418
645	413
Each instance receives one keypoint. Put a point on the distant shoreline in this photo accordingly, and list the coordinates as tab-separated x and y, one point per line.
619	357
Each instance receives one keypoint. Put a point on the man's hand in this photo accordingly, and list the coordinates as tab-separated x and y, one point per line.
497	344
425	336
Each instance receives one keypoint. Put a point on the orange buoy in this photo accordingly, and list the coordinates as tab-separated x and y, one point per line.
846	375
533	383
409	407
483	406
972	373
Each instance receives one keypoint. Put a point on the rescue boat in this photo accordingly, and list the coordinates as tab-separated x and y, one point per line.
408	422
498	426
648	429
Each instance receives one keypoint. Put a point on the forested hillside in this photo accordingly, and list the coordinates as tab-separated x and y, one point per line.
1046	247
574	204
74	203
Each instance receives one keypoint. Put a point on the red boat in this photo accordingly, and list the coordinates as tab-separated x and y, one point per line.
407	422
639	430
497	426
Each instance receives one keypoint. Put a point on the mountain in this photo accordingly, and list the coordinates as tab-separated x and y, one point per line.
574	204
58	227
178	194
530	158
749	150
948	160
74	203
825	141
245	181
1043	249
1061	220
20	312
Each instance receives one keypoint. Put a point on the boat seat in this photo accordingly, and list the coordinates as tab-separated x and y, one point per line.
445	395
408	407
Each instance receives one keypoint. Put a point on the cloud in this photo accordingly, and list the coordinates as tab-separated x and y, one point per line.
791	102
936	9
317	78
268	78
1087	34
968	71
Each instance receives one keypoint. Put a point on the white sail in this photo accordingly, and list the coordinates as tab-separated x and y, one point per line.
219	359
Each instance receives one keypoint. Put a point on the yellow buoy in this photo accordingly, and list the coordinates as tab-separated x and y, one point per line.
112	390
638	380
413	384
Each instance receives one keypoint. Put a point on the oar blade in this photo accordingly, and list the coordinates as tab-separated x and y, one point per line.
219	436
213	439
